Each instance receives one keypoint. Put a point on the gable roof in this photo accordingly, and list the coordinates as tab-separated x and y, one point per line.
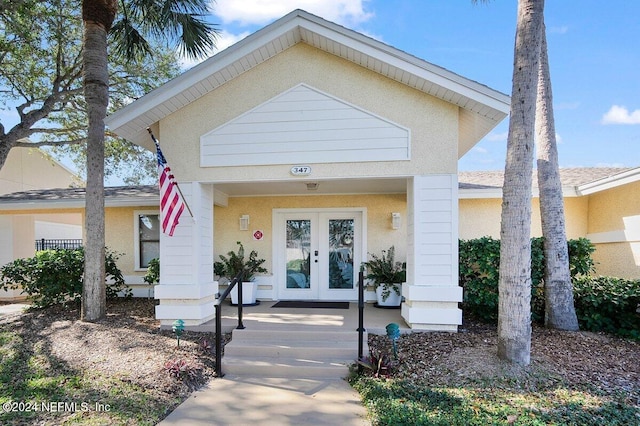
575	181
32	168
481	107
115	196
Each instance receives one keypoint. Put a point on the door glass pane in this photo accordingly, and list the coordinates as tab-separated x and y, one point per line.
298	253
341	253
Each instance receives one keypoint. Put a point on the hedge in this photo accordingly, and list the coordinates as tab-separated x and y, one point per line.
602	303
55	276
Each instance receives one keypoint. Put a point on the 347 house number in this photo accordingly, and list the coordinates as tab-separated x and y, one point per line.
301	170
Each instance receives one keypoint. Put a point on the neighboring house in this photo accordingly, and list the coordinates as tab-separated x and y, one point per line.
314	131
124	207
32	169
601	204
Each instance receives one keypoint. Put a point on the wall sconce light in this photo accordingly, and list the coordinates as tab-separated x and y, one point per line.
244	222
396	220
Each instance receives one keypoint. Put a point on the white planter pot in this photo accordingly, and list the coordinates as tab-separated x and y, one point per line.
394	299
249	290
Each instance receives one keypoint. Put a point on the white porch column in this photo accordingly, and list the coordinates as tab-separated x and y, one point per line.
431	291
186	290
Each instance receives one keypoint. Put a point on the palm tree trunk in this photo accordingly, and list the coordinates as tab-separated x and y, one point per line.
514	307
97	17
560	312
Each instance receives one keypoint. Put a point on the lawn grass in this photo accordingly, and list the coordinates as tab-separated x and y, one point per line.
56	370
399	402
48	388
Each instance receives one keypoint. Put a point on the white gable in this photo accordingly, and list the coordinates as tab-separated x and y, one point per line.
304	125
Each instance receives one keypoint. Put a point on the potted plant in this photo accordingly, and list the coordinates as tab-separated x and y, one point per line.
230	266
387	276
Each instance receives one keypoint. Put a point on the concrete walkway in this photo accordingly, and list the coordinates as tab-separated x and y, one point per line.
12	308
244	400
263	401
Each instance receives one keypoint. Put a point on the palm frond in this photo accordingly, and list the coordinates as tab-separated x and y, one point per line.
181	23
128	42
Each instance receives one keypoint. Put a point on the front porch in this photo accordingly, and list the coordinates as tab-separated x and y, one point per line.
265	317
298	342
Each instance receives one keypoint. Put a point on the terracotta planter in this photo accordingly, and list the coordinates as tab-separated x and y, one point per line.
249	290
394	299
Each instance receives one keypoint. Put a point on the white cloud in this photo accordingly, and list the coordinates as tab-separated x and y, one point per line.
223	41
251	12
566	105
480	150
558	30
498	137
621	115
227	39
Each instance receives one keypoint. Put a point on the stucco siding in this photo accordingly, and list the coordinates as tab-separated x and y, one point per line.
614	209
618	259
119	236
433	123
28	168
380	235
614	228
480	217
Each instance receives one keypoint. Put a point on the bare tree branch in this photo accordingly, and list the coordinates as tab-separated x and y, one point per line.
50	143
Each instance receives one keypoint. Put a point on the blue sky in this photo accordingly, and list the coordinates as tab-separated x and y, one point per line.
593	53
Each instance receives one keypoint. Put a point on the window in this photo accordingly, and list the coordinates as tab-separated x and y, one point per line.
147	236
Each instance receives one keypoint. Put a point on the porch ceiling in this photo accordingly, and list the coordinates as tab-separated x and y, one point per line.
299	187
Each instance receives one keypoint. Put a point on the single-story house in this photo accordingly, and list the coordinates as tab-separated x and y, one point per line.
32	169
308	125
307	137
600	204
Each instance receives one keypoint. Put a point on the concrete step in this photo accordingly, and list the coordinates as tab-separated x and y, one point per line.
291	352
295	334
285	349
285	367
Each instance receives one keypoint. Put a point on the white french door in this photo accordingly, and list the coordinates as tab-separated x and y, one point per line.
320	254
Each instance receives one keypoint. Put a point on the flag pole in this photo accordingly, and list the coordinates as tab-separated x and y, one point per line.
176	183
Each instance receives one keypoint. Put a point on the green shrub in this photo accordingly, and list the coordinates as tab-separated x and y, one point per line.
235	263
153	272
480	266
55	276
608	304
580	261
478	275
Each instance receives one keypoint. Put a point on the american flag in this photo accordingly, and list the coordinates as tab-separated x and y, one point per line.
171	202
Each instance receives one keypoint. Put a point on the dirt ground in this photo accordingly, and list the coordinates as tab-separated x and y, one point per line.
128	345
605	364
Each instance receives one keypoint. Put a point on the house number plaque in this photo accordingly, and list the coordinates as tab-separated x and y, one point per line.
301	170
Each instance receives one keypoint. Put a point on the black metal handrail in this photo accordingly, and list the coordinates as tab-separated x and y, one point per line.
218	307
361	329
